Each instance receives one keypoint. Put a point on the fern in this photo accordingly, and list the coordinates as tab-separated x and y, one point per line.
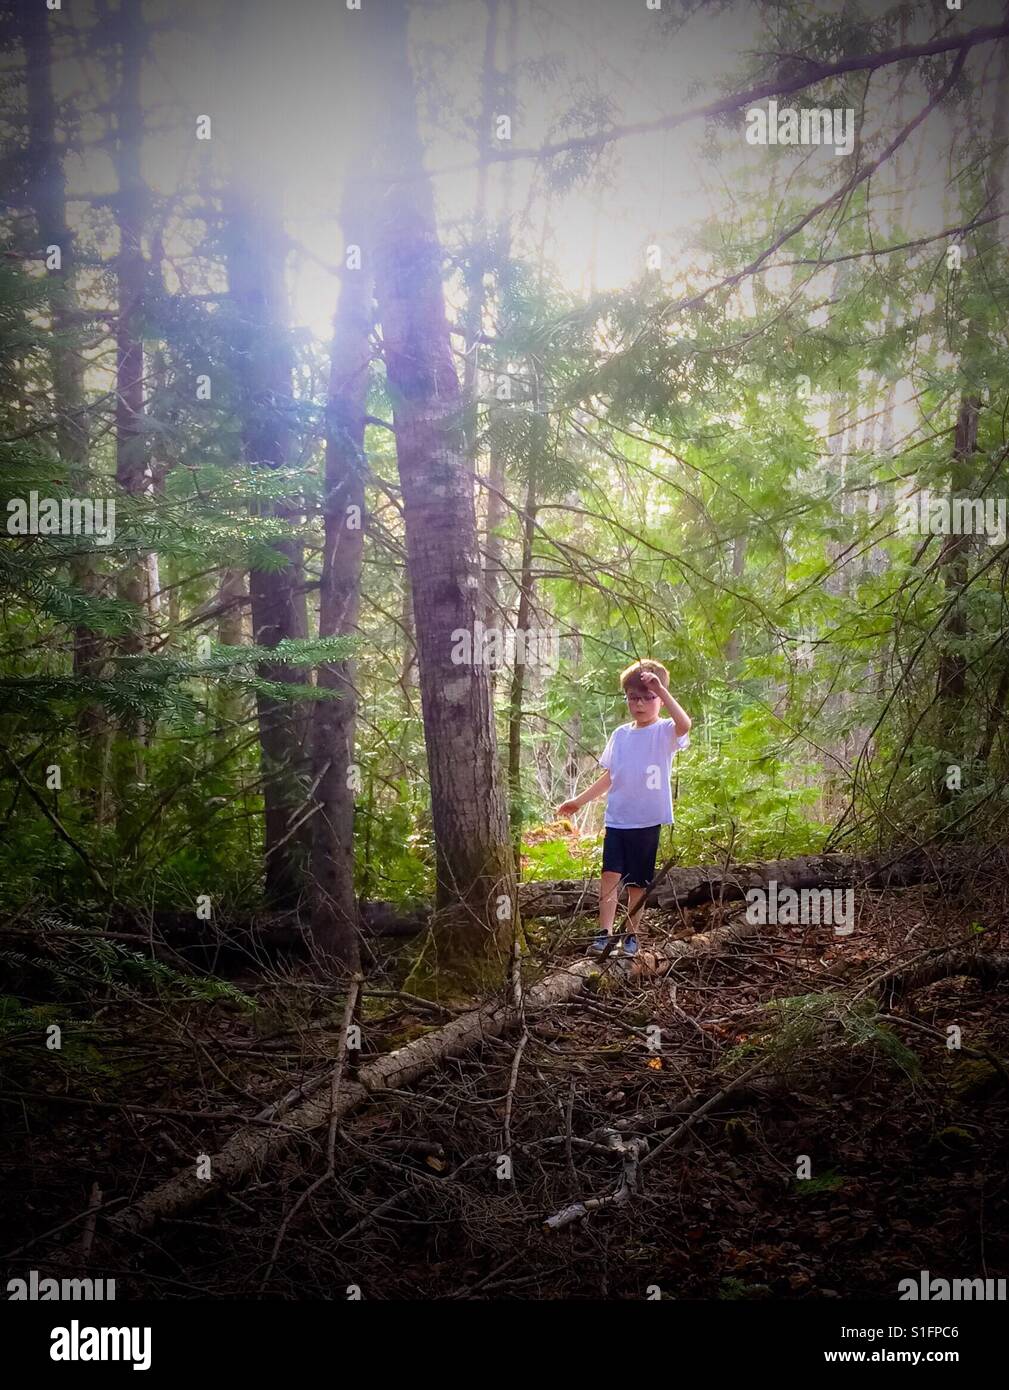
99	962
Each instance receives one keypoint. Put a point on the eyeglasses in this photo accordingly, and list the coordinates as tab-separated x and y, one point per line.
644	698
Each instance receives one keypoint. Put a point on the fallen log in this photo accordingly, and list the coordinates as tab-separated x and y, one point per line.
690	887
680	887
988	968
251	1147
229	943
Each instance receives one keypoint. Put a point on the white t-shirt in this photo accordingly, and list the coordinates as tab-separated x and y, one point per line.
640	761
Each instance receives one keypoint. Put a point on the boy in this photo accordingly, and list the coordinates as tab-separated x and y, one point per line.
638	760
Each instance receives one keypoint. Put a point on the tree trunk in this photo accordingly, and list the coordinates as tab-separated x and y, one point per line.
519	672
132	203
996	717
232	596
495	507
334	905
160	463
47	195
475	878
732	647
955	554
255	271
473	318
574	756
953	562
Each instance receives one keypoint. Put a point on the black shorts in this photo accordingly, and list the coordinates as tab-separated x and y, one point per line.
631	853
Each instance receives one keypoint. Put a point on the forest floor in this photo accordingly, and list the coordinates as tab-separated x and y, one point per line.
904	1138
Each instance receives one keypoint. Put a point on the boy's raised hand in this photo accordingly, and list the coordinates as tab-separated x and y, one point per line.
652	681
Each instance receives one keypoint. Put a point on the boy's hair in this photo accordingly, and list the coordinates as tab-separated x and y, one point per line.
632	676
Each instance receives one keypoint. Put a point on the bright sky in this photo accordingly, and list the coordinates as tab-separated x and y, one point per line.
283	88
283	98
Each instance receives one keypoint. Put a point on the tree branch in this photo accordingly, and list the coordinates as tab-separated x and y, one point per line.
812	74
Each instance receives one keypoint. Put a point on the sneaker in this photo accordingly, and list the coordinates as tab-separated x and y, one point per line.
630	945
600	943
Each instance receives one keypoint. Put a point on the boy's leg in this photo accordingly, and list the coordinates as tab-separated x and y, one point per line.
609	891
612	874
645	853
635	897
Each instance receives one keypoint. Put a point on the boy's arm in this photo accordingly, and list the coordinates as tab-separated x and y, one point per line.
598	788
680	718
